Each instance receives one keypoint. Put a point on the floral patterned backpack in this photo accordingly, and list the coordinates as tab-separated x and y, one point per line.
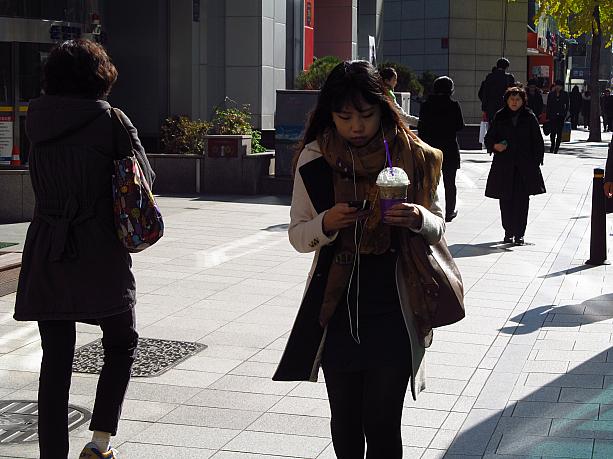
138	220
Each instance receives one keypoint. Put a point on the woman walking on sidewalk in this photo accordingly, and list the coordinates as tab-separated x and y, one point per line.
357	318
516	141
440	119
557	109
74	267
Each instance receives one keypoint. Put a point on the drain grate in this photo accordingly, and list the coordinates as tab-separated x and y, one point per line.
19	420
153	356
8	281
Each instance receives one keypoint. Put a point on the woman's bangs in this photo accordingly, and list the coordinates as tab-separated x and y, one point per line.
349	96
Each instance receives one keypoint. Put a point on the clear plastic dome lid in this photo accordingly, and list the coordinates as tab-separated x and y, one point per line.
393	177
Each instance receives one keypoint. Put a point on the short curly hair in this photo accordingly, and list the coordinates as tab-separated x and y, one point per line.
516	91
80	68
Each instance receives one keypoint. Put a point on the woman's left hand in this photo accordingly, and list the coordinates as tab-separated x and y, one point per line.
405	215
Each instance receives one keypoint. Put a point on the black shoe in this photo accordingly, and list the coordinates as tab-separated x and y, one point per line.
519	240
508	240
451	216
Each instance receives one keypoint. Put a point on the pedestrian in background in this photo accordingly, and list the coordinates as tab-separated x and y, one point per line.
74	266
492	90
535	98
609	110
586	106
516	141
606	110
557	109
440	119
368	344
575	102
390	79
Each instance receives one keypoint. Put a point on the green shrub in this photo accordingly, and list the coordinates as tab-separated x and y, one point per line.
427	80
180	135
315	76
407	80
236	121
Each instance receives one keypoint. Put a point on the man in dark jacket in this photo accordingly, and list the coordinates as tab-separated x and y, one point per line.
557	109
535	98
493	88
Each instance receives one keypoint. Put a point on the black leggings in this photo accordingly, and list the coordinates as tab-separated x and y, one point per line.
557	125
367	404
450	190
58	343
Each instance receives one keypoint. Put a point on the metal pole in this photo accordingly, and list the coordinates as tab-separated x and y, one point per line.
598	235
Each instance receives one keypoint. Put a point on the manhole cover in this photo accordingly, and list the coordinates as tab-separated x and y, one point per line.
153	356
19	420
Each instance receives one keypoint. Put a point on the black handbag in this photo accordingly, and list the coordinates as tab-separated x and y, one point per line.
547	127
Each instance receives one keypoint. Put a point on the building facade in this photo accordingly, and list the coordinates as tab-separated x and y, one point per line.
461	39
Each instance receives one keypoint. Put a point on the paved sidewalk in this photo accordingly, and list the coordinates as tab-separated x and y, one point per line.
526	374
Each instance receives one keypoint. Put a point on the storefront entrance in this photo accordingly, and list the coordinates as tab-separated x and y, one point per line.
24	46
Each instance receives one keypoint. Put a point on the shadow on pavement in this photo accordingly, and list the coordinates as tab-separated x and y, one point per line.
242	199
582	149
597	309
281	228
576	269
478	250
566	415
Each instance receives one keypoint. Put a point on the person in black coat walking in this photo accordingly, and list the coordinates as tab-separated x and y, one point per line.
557	109
586	107
516	141
492	90
74	266
535	98
575	106
440	118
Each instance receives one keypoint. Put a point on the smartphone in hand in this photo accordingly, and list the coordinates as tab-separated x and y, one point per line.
360	205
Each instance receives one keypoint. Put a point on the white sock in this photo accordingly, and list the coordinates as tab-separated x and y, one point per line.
102	440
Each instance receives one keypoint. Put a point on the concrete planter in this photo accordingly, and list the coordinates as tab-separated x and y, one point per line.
177	174
227	167
17	203
230	166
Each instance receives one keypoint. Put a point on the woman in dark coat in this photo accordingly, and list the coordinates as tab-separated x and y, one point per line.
516	141
575	106
440	119
74	267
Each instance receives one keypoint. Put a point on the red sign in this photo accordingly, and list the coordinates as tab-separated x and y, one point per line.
309	35
222	148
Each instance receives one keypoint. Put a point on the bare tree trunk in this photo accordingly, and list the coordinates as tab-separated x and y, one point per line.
594	70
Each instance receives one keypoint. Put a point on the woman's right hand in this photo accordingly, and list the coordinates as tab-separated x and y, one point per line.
499	147
342	216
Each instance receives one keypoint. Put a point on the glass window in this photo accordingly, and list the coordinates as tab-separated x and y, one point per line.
6	74
31	59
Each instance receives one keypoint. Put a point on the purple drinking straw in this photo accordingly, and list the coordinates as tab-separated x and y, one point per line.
389	158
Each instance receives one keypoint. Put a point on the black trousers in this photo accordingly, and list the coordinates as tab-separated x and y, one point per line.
514	211
367	404
450	190
574	119
557	124
58	343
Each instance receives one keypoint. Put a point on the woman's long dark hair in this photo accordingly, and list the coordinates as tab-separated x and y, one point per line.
349	82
